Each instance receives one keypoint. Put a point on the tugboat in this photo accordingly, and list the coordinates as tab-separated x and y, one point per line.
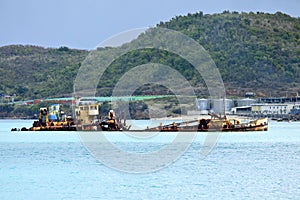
88	118
110	123
56	120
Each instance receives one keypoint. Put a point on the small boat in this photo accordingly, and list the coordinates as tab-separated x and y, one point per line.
67	125
52	119
109	123
88	118
279	119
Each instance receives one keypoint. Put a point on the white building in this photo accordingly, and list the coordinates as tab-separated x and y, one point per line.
295	109
271	109
242	110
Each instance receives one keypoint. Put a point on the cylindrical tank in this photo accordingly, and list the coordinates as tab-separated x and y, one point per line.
203	104
218	105
245	102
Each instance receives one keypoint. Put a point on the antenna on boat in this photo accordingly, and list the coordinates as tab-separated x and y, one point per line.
124	119
224	103
75	102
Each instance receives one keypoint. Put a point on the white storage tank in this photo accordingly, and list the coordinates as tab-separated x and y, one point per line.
203	104
218	105
245	102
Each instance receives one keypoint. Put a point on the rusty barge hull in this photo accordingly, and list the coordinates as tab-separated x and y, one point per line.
201	126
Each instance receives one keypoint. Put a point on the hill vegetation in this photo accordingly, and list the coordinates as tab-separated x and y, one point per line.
255	52
32	72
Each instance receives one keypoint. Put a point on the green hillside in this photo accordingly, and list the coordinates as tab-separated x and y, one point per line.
254	52
33	72
258	52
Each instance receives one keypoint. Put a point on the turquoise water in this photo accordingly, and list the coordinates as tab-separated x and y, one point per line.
56	165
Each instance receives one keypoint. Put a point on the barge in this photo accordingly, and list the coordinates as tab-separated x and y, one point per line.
87	118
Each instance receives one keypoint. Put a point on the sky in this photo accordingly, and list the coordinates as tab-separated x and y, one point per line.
83	24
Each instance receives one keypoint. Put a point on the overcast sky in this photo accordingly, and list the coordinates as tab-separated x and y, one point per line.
84	24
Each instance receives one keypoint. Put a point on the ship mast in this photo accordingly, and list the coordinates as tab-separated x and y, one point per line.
224	103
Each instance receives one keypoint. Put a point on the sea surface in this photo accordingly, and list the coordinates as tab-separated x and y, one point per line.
58	165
